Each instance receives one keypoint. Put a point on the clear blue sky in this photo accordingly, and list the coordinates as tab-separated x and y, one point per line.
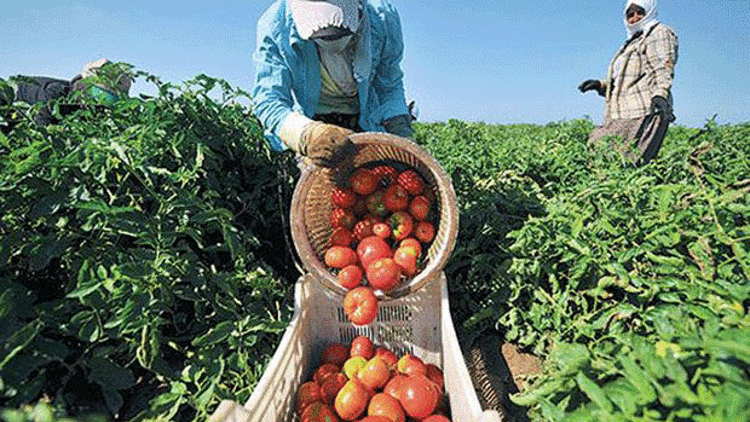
473	60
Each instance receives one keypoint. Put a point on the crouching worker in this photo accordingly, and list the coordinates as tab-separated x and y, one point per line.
637	89
326	69
102	82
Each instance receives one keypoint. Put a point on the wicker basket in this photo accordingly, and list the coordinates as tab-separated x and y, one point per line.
311	208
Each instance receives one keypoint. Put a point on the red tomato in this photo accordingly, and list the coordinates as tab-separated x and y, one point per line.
436	418
394	386
361	305
343	197
351	401
374	374
383	274
411	242
382	230
419	207
362	229
350	276
406	258
335	354
402	224
375	203
362	346
363	181
341	236
340	257
419	396
307	394
384	405
424	231
395	198
318	412
411	181
388	356
342	218
410	364
331	387
374	419
435	375
371	249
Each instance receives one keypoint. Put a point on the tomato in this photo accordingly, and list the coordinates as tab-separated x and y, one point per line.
388	356
411	181
340	257
395	198
402	224
307	393
331	387
341	236
410	364
435	375
353	365
424	231
362	346
371	249
335	354
370	418
386	173
382	230
351	401
419	396
384	405
342	218
406	258
411	242
374	374
362	229
375	203
361	305
383	274
419	207
394	386
350	276
318	412
436	418
363	181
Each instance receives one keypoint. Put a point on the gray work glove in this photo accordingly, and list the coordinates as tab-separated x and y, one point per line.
326	144
399	126
660	105
590	84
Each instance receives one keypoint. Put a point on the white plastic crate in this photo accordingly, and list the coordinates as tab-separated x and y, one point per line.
419	323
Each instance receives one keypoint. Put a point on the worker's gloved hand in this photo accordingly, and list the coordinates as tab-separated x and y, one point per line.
660	105
399	126
326	144
590	84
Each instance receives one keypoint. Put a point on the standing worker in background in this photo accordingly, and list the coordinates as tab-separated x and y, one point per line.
637	89
101	80
326	69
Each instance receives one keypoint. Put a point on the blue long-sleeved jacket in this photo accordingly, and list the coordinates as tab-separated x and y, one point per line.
287	70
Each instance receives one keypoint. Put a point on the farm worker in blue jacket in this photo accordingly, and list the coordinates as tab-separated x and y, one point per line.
100	80
637	88
326	69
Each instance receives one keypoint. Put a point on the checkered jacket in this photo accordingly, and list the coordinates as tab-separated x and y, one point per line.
646	70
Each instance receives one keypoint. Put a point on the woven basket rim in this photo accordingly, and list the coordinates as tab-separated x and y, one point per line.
447	228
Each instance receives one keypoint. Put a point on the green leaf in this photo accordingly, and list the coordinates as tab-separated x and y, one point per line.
594	392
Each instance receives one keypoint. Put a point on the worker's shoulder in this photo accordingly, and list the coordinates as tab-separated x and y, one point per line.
381	6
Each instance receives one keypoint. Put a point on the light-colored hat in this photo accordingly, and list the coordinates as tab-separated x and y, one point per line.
123	81
313	15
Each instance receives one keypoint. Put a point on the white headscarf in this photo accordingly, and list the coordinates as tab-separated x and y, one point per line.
647	21
312	15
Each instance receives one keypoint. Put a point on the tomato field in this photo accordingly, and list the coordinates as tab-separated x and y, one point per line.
146	271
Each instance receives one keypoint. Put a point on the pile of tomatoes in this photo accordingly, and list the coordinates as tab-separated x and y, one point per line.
383	223
365	383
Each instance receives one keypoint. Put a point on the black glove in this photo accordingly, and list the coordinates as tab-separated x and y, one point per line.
399	126
590	84
660	105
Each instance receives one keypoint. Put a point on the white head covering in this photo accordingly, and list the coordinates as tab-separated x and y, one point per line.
313	15
647	21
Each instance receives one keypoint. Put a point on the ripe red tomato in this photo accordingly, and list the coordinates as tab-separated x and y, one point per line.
340	257
324	371
383	274
387	173
411	181
341	236
419	397
370	418
410	364
395	198
318	412
435	375
382	230
419	207
343	197
361	305
362	229
402	224
363	181
411	242
388	356
424	231
371	249
362	346
335	354
351	401
436	418
341	217
406	257
331	387
374	374
383	404
350	276
394	386
375	203
307	394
